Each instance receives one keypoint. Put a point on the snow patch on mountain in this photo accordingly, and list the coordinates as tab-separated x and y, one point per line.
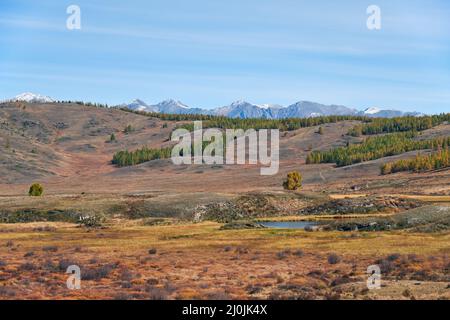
32	98
372	110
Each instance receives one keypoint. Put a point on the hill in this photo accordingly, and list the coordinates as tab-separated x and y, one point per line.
67	147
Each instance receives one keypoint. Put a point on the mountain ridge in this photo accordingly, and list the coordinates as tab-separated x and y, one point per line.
242	109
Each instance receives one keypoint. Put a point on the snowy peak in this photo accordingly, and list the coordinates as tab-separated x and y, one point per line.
387	113
137	105
32	98
171	104
243	109
372	110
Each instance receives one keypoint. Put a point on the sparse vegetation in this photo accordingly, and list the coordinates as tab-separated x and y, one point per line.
91	221
128	129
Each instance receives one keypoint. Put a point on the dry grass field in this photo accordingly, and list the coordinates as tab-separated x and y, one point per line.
200	261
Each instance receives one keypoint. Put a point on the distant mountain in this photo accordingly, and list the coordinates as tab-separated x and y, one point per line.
138	105
307	109
175	107
375	112
32	98
244	110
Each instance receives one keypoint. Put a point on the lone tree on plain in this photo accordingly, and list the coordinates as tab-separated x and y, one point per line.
112	138
36	190
293	181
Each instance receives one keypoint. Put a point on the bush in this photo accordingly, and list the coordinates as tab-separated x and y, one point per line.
94	221
97	273
36	190
128	129
293	181
282	254
50	248
333	258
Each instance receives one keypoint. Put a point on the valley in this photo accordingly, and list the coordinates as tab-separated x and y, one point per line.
159	231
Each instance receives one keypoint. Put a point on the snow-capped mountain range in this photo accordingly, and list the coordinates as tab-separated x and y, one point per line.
32	98
242	109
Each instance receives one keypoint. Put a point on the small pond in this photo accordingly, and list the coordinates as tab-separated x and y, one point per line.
288	224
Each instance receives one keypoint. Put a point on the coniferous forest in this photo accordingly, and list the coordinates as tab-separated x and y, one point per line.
435	161
129	158
400	124
375	148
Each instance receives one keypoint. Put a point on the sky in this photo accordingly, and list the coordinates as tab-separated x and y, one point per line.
209	53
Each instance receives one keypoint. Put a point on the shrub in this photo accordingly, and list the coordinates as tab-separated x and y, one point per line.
128	129
7	291
36	190
156	293
28	254
97	273
65	263
299	253
27	266
152	251
50	248
282	254
393	257
94	221
333	258
293	181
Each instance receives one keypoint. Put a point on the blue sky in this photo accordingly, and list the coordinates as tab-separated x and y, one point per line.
208	53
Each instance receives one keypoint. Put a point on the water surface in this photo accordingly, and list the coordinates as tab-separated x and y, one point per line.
288	224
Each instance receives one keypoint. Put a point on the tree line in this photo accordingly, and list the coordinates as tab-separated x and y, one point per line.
400	124
421	163
130	158
287	124
375	148
126	158
211	121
